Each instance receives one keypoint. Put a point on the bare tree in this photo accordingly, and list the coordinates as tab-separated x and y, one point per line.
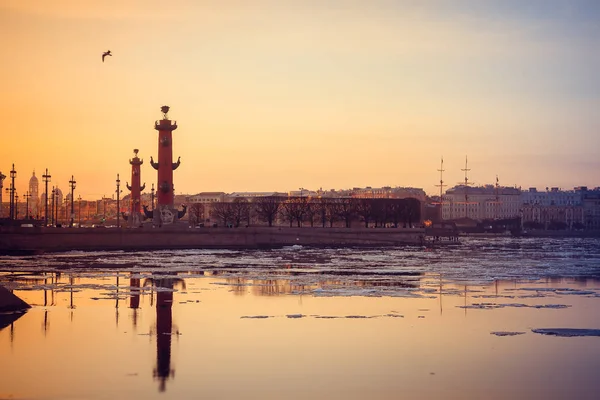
293	209
240	210
320	207
222	211
412	211
396	208
381	211
364	209
345	209
310	211
267	208
196	214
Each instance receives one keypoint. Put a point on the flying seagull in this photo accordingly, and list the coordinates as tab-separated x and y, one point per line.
106	53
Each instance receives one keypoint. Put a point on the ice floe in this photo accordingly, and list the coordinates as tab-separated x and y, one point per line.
488	306
567	332
504	333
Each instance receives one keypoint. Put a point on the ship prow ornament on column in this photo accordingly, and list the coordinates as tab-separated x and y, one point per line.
135	217
165	212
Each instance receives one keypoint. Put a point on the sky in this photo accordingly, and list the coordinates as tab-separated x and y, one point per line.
275	95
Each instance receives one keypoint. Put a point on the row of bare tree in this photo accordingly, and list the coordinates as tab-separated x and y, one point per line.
314	211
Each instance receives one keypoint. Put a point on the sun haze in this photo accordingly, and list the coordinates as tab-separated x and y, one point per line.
277	95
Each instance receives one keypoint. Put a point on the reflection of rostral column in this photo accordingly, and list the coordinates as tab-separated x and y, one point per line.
135	215
134	300
164	327
165	212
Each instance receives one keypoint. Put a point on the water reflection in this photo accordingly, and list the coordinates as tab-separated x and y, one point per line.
164	287
134	298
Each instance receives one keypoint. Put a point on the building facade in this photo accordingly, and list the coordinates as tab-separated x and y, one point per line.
483	202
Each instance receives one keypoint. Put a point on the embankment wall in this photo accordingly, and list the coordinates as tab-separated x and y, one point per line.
40	240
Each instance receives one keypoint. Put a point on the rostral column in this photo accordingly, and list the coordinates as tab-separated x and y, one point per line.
135	214
165	212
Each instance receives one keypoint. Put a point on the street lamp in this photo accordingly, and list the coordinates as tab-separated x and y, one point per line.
152	196
56	205
79	198
46	178
118	203
16	206
13	175
72	183
52	222
2	177
27	196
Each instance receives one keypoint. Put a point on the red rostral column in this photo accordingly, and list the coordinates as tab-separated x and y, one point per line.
135	213
165	212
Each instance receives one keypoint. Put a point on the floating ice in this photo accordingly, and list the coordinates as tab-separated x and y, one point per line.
394	315
255	316
489	306
568	332
503	333
295	316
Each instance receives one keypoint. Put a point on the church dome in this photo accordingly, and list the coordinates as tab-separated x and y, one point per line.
33	179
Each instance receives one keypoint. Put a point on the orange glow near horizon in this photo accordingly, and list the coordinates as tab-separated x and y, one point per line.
277	95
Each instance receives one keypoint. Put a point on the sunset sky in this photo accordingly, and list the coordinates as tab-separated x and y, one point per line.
278	95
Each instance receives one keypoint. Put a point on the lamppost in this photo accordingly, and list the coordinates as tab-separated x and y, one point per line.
2	177
46	178
8	192
56	206
13	175
118	203
27	196
72	183
16	205
79	198
152	196
52	222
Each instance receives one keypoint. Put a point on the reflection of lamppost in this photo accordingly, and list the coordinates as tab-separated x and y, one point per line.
46	178
72	183
118	203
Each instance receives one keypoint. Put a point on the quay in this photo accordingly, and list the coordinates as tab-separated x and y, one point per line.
36	240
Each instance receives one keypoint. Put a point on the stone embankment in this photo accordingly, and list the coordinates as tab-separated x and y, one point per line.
40	240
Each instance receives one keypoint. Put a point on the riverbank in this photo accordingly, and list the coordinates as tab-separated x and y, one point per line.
17	240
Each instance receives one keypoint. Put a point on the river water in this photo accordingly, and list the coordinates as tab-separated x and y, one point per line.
502	318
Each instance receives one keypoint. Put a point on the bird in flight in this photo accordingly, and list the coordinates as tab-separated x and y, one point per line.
106	53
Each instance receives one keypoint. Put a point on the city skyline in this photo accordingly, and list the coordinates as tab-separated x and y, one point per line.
274	96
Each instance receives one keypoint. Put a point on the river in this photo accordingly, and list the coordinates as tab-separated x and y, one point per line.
492	318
